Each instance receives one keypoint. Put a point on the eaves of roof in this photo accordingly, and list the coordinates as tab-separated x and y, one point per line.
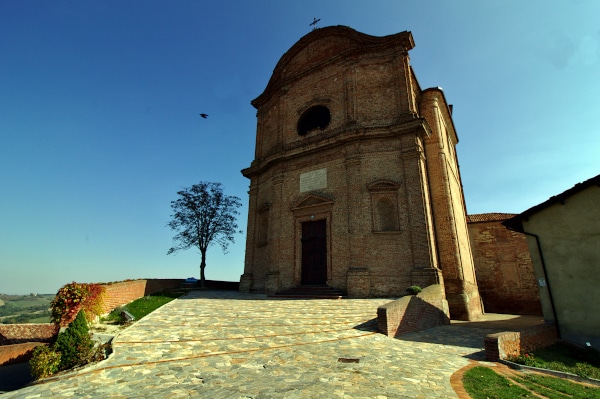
489	217
516	223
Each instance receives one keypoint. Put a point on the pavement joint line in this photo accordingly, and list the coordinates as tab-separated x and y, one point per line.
204	355
232	338
266	325
372	315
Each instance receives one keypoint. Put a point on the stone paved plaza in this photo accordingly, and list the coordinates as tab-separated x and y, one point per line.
223	344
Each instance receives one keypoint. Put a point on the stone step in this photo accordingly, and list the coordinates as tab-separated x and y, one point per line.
310	292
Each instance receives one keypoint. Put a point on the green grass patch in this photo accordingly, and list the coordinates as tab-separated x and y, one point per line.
584	362
142	306
40	319
484	383
558	388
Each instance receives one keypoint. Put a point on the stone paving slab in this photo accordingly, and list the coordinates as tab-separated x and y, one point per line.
224	344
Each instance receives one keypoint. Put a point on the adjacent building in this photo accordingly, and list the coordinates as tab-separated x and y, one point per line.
563	234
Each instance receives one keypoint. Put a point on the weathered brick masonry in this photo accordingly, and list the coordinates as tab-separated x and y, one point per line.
17	353
513	343
504	268
355	182
414	313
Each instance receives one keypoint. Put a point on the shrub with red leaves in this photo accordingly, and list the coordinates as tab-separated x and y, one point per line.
73	297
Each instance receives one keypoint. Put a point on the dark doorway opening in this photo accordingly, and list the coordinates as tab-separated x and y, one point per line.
314	252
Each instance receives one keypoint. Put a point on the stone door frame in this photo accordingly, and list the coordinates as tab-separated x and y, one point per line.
311	208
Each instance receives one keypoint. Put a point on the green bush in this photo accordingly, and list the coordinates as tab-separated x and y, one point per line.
526	359
413	290
44	362
75	344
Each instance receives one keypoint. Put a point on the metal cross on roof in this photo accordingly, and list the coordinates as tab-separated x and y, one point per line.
314	23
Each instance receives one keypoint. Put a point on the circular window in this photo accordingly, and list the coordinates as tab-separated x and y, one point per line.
317	117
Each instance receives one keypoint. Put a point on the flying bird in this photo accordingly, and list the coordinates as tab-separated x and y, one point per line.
204	115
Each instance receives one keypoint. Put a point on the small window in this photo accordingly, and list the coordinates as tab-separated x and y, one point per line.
386	213
317	117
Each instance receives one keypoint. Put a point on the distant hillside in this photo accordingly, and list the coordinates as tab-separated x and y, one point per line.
31	308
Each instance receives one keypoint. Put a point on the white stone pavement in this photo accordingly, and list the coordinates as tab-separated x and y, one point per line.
224	344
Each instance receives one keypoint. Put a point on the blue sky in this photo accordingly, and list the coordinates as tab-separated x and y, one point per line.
99	125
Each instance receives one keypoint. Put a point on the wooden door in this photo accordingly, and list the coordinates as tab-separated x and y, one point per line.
314	252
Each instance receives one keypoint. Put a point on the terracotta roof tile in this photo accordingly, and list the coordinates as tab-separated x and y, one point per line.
489	217
19	333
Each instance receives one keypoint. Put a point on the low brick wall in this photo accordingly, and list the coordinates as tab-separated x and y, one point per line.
502	345
118	294
414	313
121	293
11	354
157	285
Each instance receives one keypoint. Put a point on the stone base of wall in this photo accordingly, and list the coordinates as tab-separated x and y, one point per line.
503	345
11	354
272	283
358	283
414	313
426	277
246	282
501	304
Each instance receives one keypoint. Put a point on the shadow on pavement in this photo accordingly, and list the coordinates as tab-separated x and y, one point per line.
14	376
471	334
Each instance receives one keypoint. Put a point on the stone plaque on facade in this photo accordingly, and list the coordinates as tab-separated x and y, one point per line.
315	180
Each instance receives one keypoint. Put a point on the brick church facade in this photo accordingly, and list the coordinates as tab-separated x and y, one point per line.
355	182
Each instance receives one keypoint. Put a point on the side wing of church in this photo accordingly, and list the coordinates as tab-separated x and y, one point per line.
355	182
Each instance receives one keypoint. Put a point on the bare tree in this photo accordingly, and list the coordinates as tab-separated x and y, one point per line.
202	216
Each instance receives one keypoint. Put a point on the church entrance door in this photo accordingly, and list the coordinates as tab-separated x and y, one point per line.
314	252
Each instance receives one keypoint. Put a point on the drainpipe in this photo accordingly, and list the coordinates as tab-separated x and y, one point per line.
537	241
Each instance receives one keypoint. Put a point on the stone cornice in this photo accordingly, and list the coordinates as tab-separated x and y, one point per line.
330	141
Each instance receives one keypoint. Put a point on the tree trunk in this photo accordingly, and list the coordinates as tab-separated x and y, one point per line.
202	266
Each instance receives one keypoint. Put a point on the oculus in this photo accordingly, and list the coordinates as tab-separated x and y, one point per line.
317	117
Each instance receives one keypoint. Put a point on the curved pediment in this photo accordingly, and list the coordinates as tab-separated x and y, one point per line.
383	185
325	45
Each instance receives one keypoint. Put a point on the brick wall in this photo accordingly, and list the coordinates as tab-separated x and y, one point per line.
414	313
10	354
502	345
121	293
503	265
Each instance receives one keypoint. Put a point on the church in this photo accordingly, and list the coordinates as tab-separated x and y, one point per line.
355	182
